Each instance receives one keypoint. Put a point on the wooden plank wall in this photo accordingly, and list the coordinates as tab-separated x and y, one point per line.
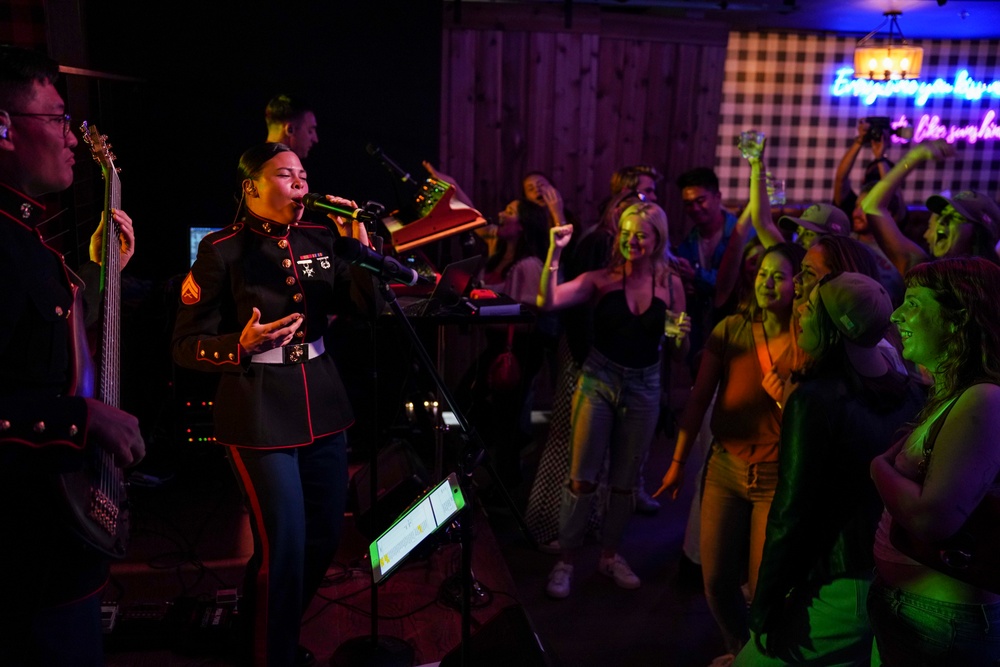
522	91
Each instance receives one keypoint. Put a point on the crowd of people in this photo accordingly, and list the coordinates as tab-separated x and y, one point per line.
842	419
830	349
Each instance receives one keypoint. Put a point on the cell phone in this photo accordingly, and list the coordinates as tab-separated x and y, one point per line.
434	509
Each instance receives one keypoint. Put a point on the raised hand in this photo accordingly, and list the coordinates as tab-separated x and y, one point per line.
554	202
559	236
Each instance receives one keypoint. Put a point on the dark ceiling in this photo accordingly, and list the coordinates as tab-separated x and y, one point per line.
921	19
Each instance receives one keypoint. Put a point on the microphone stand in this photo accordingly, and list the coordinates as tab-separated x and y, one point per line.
373	650
472	456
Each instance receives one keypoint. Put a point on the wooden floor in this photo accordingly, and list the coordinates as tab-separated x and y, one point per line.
191	540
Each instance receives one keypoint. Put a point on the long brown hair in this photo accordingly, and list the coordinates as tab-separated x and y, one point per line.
966	288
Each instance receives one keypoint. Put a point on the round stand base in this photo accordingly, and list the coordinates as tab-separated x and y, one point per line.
364	652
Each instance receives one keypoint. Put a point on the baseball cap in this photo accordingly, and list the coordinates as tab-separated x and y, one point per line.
820	218
860	309
977	208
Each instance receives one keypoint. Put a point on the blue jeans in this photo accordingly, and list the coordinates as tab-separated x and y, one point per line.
614	414
736	498
826	626
915	630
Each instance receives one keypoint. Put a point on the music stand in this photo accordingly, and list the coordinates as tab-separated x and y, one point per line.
474	454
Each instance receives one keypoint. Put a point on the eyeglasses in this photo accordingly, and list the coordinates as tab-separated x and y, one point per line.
63	118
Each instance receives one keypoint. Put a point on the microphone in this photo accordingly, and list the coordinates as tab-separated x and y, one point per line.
383	266
394	168
318	202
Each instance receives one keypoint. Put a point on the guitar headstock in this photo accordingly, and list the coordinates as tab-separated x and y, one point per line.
100	148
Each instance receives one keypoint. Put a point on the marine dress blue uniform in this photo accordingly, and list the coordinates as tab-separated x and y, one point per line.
282	414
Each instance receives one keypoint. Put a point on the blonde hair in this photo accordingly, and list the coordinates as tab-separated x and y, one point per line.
657	218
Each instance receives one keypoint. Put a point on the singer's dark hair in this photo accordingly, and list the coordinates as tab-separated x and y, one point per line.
251	162
19	70
253	159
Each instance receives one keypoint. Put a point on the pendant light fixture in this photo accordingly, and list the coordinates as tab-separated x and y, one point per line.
894	60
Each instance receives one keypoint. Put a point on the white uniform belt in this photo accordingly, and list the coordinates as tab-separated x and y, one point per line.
297	353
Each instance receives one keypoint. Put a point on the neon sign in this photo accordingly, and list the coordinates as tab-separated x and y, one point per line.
930	128
963	87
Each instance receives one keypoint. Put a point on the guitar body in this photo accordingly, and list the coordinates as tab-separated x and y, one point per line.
95	495
98	504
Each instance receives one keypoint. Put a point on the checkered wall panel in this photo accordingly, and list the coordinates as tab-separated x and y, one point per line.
781	84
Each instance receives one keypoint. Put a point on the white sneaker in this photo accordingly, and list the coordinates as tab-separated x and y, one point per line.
559	580
618	569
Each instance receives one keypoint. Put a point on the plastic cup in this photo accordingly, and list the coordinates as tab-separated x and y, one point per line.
751	143
776	192
672	327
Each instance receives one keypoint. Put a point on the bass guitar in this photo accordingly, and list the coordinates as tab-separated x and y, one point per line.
96	493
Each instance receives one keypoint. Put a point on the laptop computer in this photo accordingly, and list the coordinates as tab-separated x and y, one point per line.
454	283
435	509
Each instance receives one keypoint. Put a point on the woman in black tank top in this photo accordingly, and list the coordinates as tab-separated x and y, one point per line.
616	402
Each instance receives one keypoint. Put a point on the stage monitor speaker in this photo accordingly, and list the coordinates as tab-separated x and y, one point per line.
506	639
402	478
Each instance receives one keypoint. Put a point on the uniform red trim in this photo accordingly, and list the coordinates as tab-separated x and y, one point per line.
216	362
298	444
232	232
71	284
96	591
260	612
305	384
47	443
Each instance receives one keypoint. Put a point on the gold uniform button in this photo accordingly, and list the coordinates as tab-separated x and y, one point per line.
59	311
73	430
4	425
39	427
282	244
203	353
290	280
286	263
300	334
216	355
232	357
298	297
